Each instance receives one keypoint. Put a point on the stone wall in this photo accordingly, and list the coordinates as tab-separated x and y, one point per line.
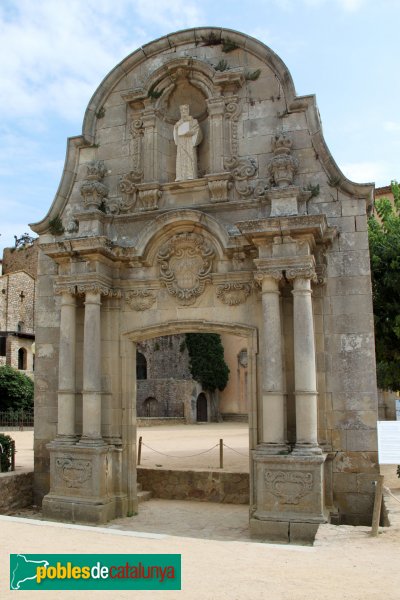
165	397
206	486
166	357
387	405
17	302
17	326
16	491
18	259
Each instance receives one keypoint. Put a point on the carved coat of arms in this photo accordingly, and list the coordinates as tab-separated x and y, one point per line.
185	266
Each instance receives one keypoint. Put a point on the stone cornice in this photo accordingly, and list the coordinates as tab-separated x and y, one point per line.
100	246
263	229
80	284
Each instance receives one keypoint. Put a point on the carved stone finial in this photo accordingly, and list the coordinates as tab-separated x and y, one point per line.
283	166
92	190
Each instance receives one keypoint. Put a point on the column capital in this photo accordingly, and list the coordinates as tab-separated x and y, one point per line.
64	289
268	280
216	106
302	272
98	288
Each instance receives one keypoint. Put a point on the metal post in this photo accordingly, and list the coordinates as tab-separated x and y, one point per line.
12	447
377	506
221	454
139	456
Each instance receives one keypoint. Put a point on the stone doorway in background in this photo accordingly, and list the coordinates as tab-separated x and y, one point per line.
201	408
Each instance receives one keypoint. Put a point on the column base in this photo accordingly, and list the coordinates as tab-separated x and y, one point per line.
272	448
65	440
91	442
76	510
284	532
307	450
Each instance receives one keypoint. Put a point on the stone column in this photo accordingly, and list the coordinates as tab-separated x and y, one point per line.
150	158
305	368
66	369
273	398
91	396
216	110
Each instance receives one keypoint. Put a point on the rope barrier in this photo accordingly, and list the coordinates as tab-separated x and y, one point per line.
237	452
172	456
387	490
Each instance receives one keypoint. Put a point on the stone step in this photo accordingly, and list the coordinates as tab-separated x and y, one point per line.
144	496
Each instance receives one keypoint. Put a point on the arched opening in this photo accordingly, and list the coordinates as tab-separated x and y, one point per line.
22	359
150	407
20	326
201	408
141	366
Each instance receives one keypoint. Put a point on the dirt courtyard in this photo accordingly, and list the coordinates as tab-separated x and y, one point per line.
219	561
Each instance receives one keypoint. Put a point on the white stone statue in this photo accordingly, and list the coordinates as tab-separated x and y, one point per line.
187	135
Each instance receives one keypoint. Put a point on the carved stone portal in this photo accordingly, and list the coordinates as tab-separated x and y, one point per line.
185	266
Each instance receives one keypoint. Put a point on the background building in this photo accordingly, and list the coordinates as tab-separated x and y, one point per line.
17	308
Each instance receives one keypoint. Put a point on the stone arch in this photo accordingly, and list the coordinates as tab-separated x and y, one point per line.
22	359
151	407
163	227
141	366
202	412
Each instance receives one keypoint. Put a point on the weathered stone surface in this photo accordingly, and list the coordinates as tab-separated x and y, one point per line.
16	491
206	486
237	247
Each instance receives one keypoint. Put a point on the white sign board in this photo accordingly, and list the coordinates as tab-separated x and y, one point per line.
397	408
389	442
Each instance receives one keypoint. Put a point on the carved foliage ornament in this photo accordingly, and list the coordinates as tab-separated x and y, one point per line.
185	266
233	293
261	274
97	288
140	299
289	486
242	170
74	472
305	272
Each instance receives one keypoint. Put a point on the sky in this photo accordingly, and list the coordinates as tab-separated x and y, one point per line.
55	53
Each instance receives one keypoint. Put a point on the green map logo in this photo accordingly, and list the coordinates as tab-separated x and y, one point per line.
95	572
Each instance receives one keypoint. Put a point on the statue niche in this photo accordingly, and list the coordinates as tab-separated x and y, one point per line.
171	144
187	135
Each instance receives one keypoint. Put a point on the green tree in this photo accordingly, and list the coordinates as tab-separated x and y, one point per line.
207	363
384	245
16	390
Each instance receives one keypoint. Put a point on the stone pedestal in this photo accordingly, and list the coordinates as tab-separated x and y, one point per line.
80	487
289	497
